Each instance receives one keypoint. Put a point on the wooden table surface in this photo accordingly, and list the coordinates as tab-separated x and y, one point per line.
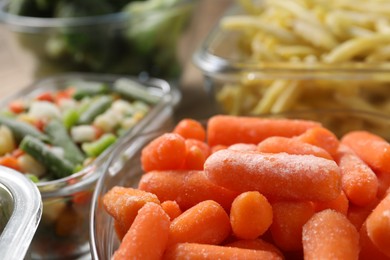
17	66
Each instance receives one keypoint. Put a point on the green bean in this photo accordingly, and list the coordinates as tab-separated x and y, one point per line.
58	167
21	129
132	90
60	137
89	89
95	108
94	149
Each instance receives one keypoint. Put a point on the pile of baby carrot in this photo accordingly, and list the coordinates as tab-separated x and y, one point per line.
256	188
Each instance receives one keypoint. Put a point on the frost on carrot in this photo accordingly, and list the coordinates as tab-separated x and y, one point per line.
250	215
190	129
329	235
280	175
205	223
123	205
150	230
239	129
187	188
166	152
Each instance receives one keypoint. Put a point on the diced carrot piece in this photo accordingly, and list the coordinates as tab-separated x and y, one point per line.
371	148
187	188
212	252
166	152
16	106
281	175
321	137
330	235
123	204
250	215
45	96
378	226
171	208
288	220
147	237
280	144
10	162
358	181
190	128
239	129
205	223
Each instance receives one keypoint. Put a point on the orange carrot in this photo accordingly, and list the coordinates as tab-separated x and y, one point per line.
281	175
196	154
212	252
321	137
330	235
288	219
217	147
339	204
279	144
149	230
357	214
371	148
256	244
206	223
250	215
228	130
187	188
171	208
368	251
190	128
383	183
358	181
243	147
123	204
166	152
10	162
378	226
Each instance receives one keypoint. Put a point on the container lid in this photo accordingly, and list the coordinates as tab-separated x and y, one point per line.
21	210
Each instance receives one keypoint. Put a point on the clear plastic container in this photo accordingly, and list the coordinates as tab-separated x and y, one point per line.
142	41
243	82
21	210
63	231
124	167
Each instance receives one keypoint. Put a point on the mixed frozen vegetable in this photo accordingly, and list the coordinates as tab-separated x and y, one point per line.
54	134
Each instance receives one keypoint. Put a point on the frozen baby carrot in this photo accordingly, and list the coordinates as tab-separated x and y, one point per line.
196	154
383	183
250	215
166	152
378	226
171	208
228	130
358	214
330	235
371	148
288	219
340	204
256	244
358	181
217	147
149	230
279	144
190	128
243	147
187	188
321	137
123	204
212	252
369	251
280	175
206	223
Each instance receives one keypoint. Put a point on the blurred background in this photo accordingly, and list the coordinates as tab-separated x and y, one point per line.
17	64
